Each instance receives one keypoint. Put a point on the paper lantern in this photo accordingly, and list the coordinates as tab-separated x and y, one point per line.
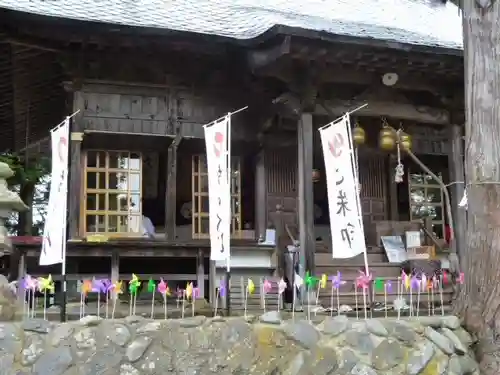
358	135
387	139
405	141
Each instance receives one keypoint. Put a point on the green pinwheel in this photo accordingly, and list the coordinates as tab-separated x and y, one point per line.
379	284
151	286
311	281
134	284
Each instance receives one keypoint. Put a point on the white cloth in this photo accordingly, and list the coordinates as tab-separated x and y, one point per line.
148	229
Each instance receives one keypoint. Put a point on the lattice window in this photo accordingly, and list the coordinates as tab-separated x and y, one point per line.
426	200
199	178
112	196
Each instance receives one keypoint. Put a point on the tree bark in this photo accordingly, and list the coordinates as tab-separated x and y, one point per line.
479	300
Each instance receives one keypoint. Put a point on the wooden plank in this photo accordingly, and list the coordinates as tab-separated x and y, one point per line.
401	111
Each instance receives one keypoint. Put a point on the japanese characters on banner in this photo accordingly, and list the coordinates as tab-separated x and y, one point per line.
346	223
54	231
217	139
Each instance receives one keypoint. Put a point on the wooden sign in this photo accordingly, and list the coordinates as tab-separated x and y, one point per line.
394	249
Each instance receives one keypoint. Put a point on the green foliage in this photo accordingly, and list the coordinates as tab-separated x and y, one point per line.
30	172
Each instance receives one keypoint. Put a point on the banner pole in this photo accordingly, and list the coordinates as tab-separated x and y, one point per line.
229	181
64	296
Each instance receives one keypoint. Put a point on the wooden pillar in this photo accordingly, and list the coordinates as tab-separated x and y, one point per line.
171	189
212	277
75	183
200	273
260	197
393	190
22	270
457	187
306	193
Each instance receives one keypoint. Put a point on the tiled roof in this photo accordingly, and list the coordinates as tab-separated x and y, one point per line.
417	22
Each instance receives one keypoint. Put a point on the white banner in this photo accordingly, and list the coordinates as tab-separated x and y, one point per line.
54	231
217	140
346	222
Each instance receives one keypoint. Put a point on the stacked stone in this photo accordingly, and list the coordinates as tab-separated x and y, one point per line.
267	345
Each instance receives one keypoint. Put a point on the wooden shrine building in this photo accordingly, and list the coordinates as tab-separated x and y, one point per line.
146	78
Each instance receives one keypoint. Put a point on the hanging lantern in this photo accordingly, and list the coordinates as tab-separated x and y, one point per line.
405	141
358	135
387	139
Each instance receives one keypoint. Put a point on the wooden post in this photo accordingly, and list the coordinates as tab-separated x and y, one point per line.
171	188
457	187
305	193
75	184
281	240
21	273
260	197
200	273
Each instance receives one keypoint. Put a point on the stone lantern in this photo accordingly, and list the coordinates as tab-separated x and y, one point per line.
9	202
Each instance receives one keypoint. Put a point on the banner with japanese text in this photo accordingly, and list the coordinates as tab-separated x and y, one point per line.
346	222
217	140
54	231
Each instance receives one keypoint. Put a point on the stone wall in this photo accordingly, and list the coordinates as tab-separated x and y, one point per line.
265	345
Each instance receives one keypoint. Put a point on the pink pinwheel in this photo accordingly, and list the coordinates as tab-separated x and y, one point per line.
162	287
266	286
461	278
281	286
363	280
337	280
423	282
435	281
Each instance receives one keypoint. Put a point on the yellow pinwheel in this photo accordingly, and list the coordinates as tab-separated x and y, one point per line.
46	284
250	286
323	281
189	290
118	287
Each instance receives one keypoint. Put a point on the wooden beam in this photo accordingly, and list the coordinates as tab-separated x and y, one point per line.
305	192
375	108
258	59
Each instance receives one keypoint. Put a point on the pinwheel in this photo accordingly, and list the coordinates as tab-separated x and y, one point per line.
266	288
250	289
133	287
29	285
461	278
363	282
281	289
194	297
164	291
152	289
310	281
221	292
44	285
115	288
323	281
189	290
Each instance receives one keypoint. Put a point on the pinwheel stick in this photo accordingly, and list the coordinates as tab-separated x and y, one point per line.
183	309
98	303
165	305
245	303
217	296
364	302
441	296
114	296
153	303
45	304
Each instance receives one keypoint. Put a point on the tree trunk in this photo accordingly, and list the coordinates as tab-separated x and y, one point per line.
479	301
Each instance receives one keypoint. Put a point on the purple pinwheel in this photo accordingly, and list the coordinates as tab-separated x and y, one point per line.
105	286
388	286
337	280
415	282
222	289
98	286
